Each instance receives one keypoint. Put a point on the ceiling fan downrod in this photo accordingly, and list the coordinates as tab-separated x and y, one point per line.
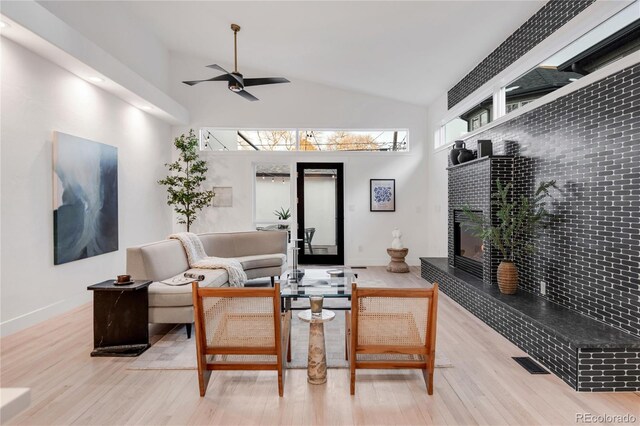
235	28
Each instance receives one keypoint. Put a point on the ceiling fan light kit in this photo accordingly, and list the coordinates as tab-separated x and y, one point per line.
236	82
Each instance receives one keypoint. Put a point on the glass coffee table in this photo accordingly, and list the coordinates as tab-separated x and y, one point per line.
334	283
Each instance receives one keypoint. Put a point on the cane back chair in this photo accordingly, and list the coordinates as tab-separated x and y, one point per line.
392	328
240	329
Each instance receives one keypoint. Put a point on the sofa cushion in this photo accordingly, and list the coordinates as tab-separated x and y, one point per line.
156	261
180	295
262	261
239	244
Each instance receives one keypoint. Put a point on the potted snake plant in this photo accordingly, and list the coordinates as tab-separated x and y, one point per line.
519	220
283	216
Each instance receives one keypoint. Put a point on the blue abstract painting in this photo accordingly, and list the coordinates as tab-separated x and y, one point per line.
85	198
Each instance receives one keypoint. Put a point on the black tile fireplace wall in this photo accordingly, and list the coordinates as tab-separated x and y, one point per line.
553	15
472	184
589	142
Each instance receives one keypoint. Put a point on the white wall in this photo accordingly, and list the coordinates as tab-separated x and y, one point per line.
303	104
37	98
437	181
113	28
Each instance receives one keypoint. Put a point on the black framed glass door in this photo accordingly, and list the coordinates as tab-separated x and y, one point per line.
320	213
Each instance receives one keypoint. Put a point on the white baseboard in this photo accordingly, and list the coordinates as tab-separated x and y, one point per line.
13	401
44	313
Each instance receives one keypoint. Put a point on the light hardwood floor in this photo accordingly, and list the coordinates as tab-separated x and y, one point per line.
484	386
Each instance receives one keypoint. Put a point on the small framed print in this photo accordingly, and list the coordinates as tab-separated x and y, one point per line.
223	196
382	193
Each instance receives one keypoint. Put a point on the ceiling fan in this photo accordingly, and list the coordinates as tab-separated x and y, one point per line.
236	81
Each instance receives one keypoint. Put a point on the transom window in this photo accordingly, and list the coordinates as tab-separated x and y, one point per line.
346	140
215	139
247	140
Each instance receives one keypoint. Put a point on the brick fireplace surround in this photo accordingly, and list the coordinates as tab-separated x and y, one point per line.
586	329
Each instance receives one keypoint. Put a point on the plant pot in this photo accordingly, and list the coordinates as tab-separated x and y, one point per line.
465	155
455	151
507	277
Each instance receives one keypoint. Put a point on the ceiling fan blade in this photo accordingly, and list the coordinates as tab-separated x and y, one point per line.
219	68
267	80
248	96
224	77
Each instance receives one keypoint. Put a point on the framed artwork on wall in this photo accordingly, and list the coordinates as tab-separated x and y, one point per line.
85	198
223	196
382	195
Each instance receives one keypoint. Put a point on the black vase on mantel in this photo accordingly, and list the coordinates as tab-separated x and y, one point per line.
455	151
465	155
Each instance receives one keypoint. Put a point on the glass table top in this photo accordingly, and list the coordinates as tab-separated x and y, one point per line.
335	282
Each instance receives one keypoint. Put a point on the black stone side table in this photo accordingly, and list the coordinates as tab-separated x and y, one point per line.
120	318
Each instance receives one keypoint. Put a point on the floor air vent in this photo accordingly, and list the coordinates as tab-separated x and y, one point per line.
358	267
530	365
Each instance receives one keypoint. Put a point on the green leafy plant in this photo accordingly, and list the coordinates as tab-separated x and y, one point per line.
518	219
184	191
282	214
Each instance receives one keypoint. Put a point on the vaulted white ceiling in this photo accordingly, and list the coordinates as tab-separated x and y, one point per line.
409	51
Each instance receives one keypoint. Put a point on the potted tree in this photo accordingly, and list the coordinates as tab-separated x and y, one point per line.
184	191
519	220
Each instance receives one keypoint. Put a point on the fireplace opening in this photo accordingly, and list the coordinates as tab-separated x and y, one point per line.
468	249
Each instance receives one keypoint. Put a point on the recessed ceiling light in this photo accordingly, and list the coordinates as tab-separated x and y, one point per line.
3	24
96	79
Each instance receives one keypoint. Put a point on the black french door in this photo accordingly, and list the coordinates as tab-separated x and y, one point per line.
320	189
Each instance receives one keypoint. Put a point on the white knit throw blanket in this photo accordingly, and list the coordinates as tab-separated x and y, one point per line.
199	259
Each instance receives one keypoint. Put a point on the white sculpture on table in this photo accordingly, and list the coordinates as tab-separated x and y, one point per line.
397	242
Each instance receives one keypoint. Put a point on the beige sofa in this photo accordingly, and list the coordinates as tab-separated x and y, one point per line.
261	253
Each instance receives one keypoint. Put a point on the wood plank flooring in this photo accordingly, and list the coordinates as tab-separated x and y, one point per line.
484	386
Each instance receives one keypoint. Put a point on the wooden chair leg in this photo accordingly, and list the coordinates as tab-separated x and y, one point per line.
352	351
346	346
352	370
203	374
280	381
428	378
347	330
286	346
353	380
282	376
